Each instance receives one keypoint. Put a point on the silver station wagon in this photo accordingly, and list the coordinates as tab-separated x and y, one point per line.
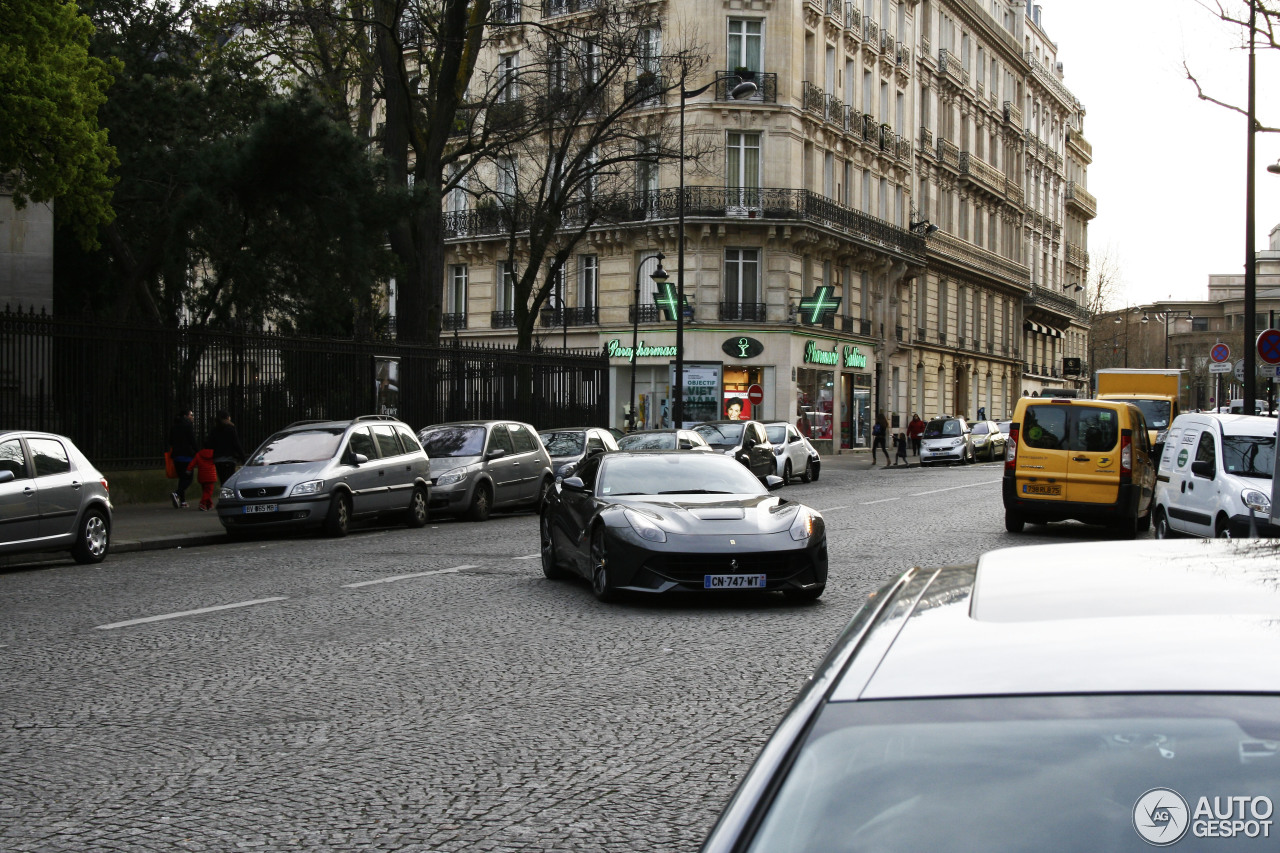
327	474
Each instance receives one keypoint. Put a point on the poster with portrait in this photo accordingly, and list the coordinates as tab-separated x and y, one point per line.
387	385
702	391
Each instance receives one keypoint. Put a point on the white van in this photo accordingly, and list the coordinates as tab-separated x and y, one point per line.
1215	477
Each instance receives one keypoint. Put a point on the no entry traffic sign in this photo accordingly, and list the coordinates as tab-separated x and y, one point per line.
1220	353
755	394
1269	346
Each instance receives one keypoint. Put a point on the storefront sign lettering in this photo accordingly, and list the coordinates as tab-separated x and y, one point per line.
617	350
813	355
854	357
743	347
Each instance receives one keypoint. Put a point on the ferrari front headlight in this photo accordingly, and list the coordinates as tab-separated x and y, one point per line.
644	526
802	527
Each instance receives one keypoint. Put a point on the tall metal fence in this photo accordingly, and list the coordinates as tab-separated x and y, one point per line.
115	389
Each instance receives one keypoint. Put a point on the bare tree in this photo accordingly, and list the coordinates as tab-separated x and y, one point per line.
1102	301
1267	19
589	94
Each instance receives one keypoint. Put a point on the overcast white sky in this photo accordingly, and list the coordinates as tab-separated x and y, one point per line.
1168	169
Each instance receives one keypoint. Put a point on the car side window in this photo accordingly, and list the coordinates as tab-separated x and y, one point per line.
408	441
594	444
683	442
587	471
500	439
522	438
362	442
1205	450
49	456
387	443
1045	427
12	458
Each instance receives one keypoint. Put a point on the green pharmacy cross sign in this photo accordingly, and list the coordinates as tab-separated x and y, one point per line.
814	309
667	299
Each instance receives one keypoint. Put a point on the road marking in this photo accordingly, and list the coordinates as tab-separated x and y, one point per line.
881	501
395	578
953	488
832	508
179	615
527	557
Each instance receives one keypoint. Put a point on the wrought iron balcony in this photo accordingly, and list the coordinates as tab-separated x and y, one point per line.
502	320
736	203
1044	298
1082	200
926	138
766	85
981	173
870	130
870	30
644	314
505	115
455	321
815	100
904	56
1076	139
506	11
749	311
948	153
647	89
1076	256
552	8
463	120
887	45
852	20
556	317
949	65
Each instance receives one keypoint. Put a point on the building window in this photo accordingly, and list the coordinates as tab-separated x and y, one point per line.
506	286
508	83
742	163
556	295
455	299
746	44
741	276
507	179
588	281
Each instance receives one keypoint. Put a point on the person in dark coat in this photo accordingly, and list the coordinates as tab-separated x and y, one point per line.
183	448
224	441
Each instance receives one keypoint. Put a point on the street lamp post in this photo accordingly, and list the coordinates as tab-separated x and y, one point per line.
743	89
1250	272
657	275
1167	316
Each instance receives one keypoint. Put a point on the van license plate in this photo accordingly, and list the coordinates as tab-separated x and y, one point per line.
733	581
1038	489
252	508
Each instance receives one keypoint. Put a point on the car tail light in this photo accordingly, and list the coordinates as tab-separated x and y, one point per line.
1011	456
105	487
1126	455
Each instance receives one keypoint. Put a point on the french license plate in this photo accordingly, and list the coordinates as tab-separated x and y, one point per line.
1042	489
733	581
252	508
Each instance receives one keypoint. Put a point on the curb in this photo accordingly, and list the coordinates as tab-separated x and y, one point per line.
194	540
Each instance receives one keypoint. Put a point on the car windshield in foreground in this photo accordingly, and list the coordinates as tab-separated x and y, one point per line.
563	443
442	442
942	428
777	434
684	473
976	774
655	441
288	448
1249	455
720	435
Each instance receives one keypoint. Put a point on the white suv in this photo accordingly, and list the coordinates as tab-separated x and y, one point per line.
1215	477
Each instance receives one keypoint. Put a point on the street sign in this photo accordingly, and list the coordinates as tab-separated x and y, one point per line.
1240	370
755	394
1269	346
1220	367
1220	352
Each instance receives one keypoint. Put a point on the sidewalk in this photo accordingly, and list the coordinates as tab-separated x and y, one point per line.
155	526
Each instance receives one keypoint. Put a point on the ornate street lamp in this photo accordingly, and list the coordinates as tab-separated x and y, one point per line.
659	277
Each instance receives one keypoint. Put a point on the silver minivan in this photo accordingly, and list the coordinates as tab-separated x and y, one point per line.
326	474
480	466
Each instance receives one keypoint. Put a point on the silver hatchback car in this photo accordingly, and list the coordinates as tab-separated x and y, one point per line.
327	474
480	466
51	498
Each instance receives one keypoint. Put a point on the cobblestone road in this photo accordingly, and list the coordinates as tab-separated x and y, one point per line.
472	707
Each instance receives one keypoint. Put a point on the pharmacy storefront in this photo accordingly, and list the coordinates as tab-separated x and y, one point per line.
823	386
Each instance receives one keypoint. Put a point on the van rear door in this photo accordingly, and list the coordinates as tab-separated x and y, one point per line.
1041	469
1093	467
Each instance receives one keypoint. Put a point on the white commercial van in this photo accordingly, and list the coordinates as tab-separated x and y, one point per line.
1215	477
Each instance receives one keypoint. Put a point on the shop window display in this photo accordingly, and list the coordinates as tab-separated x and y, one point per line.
815	392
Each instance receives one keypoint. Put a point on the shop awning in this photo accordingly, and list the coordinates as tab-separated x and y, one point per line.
1042	329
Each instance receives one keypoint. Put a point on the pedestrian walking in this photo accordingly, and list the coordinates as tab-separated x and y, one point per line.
182	448
900	442
224	441
880	437
207	475
915	431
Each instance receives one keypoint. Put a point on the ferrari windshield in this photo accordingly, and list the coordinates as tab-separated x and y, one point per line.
975	774
676	474
313	445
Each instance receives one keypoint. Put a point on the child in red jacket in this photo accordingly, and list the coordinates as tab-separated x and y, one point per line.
206	474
